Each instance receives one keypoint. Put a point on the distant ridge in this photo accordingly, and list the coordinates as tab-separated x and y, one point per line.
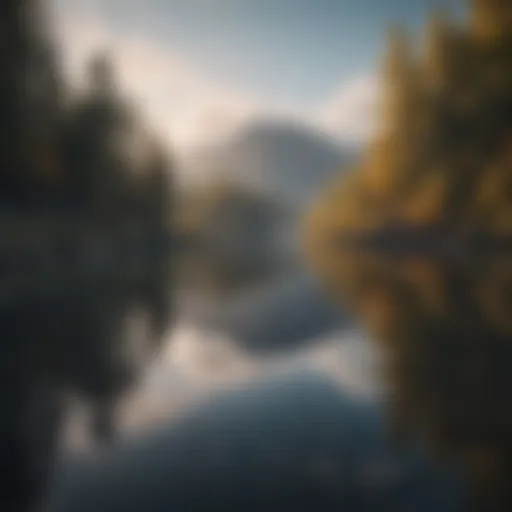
289	160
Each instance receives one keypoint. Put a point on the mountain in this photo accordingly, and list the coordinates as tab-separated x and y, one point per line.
294	442
287	160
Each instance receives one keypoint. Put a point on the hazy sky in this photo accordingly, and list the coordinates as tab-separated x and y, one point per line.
299	56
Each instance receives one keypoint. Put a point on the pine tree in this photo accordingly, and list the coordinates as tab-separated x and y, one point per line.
69	194
29	110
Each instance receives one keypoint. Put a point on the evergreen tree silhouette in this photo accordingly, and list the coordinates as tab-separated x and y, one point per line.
90	229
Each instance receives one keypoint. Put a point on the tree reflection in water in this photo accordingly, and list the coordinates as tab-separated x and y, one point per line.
446	333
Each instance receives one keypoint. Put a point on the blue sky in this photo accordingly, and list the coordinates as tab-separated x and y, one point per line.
296	54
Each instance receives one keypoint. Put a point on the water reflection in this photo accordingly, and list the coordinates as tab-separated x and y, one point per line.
85	331
446	332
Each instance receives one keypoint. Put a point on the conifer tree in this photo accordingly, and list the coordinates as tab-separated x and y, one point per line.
70	191
437	173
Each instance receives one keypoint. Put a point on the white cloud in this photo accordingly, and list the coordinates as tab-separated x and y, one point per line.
189	109
179	101
351	112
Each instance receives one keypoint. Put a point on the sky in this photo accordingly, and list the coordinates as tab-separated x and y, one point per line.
200	68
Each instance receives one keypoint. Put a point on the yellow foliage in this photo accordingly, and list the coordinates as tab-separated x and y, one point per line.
432	158
491	19
442	162
426	204
426	279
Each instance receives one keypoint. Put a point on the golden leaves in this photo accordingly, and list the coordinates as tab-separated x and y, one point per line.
428	282
426	203
443	158
491	19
